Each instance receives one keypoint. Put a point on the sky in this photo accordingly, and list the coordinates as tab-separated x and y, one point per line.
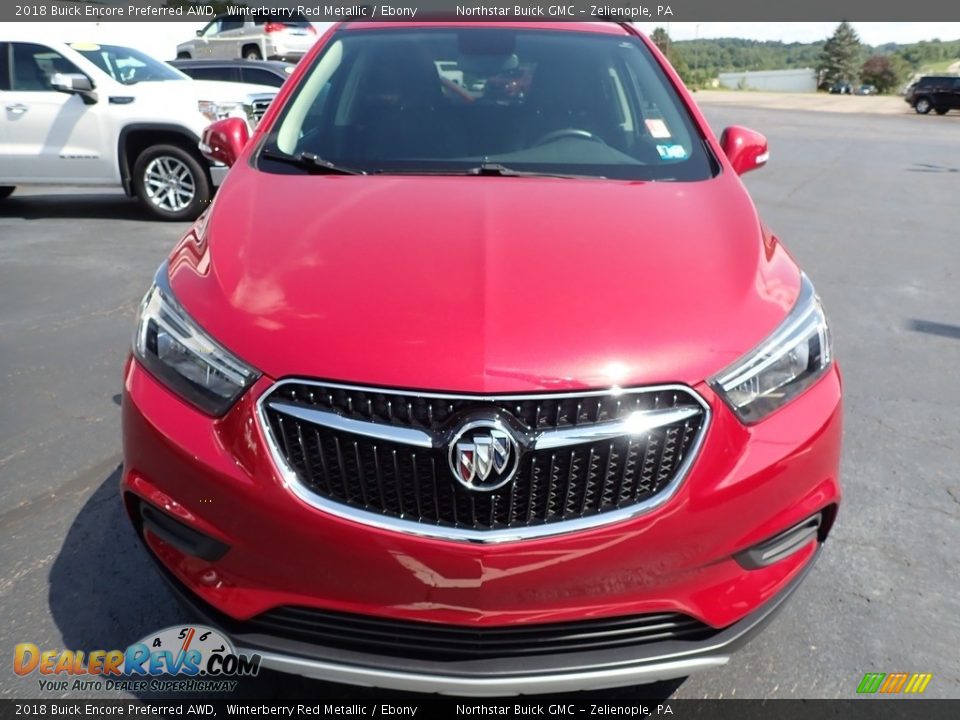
160	38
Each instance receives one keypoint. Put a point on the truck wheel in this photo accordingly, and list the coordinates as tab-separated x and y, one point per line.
6	191
171	183
923	105
252	52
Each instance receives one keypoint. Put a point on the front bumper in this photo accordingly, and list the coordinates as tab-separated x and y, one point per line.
747	485
569	672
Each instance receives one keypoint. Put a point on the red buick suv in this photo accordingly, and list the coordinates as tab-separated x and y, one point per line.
478	392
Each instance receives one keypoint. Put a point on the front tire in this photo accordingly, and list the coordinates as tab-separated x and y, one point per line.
6	191
923	105
171	183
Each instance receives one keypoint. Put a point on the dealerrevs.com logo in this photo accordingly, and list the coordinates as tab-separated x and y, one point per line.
191	658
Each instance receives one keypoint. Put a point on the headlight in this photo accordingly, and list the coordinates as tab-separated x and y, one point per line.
784	365
214	111
183	357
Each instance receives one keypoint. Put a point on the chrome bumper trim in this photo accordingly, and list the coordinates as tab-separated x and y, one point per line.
489	687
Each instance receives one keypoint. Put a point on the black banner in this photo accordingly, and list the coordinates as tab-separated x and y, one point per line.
565	10
523	707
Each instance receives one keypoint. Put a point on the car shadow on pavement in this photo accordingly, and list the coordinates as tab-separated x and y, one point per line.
105	594
934	328
102	206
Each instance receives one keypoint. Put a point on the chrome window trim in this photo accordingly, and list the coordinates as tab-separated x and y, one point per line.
415	528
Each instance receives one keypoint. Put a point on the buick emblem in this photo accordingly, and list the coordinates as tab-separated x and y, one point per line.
483	455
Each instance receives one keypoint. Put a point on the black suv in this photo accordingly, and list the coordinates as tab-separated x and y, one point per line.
940	93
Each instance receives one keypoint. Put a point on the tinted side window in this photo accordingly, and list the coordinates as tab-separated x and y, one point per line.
33	66
230	24
4	66
212	28
261	77
212	73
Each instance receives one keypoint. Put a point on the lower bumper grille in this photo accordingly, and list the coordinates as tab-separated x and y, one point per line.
429	641
553	482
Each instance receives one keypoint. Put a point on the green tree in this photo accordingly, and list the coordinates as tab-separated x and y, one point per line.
662	41
840	60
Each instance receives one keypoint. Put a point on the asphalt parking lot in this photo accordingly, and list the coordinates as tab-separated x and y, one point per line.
869	206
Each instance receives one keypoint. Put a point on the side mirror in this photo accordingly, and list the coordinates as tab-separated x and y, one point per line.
745	149
199	33
224	140
71	82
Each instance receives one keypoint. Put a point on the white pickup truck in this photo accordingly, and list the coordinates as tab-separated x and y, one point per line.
88	114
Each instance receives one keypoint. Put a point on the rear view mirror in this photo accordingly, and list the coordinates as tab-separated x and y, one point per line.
745	149
71	82
224	140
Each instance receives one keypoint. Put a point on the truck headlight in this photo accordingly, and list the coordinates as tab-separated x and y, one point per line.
782	366
214	111
178	353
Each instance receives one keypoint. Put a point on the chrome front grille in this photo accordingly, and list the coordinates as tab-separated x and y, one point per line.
381	456
256	105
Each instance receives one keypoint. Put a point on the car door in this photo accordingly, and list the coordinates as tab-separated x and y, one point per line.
938	92
200	45
46	134
226	43
955	95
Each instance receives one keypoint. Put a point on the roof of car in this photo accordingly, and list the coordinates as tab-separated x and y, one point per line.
229	62
607	28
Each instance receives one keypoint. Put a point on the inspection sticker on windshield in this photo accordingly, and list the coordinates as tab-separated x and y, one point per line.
658	128
671	152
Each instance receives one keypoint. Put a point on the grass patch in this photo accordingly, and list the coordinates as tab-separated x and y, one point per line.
938	67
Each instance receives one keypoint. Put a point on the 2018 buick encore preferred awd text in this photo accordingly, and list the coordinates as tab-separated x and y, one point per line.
481	375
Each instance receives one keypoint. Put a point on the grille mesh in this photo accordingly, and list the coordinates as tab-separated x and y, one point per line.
415	484
430	641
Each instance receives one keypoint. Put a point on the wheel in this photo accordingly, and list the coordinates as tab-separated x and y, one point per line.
171	183
252	52
941	111
184	56
6	191
923	105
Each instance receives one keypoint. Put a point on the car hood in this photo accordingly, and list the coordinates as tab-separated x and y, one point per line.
188	91
483	284
220	91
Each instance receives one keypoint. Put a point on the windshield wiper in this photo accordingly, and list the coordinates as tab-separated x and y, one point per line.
312	163
500	170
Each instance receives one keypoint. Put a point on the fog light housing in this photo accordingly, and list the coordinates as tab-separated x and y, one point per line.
781	545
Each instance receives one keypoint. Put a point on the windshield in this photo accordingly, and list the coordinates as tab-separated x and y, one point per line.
450	100
126	65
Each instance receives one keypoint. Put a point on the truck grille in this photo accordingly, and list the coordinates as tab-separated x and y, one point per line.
256	106
386	476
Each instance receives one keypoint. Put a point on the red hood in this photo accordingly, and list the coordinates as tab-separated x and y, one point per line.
483	284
